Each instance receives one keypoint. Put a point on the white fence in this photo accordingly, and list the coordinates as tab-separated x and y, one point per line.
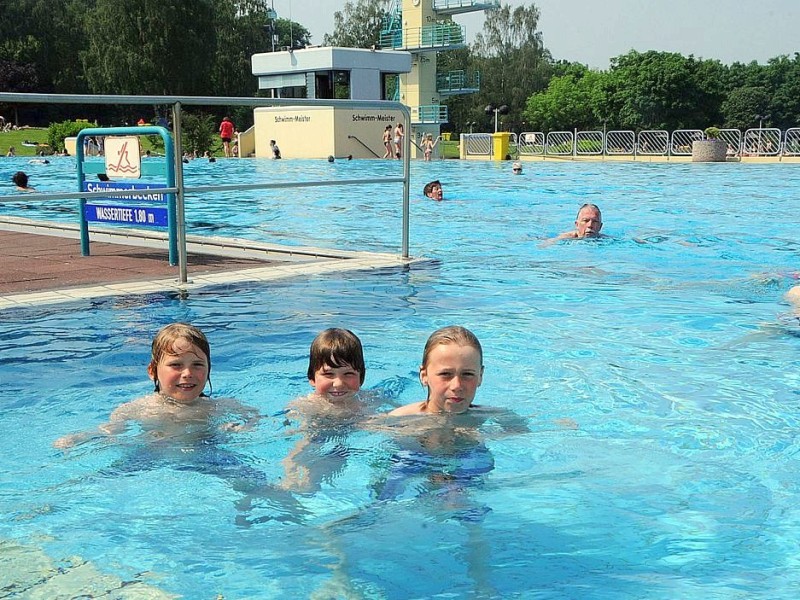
651	142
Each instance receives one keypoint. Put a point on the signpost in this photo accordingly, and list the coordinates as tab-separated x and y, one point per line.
151	207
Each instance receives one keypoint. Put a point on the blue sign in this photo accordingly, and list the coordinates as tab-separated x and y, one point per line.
111	186
147	216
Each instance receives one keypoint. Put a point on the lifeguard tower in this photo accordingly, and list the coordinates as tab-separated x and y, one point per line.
403	69
424	28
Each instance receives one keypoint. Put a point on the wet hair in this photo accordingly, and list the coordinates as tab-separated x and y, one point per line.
164	343
589	205
429	186
452	334
334	348
20	179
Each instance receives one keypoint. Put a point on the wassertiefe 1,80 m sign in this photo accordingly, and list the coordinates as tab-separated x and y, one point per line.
142	214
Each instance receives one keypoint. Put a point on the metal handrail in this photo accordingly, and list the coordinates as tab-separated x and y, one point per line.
180	190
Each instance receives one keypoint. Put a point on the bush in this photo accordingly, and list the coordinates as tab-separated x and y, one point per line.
58	132
712	133
198	132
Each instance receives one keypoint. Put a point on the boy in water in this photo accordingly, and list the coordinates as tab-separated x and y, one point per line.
180	367
336	371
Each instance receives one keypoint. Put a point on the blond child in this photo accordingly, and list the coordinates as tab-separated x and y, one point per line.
180	366
451	370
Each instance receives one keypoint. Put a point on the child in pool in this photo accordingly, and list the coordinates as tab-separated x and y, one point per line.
443	450
336	371
452	371
179	367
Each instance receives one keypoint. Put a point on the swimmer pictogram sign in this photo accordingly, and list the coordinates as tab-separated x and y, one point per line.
123	158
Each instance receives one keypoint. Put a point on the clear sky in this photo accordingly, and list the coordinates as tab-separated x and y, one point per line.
593	31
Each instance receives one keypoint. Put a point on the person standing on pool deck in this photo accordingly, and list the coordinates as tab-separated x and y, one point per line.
387	141
276	152
180	367
226	129
399	134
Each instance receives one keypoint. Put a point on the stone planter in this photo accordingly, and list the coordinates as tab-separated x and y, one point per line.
709	151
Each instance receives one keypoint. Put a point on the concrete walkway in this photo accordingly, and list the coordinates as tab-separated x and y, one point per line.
42	264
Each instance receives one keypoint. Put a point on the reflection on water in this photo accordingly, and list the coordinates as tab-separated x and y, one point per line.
664	343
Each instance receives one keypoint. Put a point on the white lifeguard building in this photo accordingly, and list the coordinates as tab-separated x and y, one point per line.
403	70
326	73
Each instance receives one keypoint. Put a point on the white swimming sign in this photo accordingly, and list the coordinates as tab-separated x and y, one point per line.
123	158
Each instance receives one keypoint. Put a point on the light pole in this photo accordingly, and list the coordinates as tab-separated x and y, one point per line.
761	119
271	16
497	110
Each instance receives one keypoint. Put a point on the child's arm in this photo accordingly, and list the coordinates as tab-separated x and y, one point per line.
117	423
245	417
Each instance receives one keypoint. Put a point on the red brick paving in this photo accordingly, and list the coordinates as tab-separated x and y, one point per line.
35	263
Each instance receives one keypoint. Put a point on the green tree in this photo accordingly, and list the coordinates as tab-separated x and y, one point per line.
783	76
742	105
512	60
358	25
151	46
662	90
572	100
198	131
290	34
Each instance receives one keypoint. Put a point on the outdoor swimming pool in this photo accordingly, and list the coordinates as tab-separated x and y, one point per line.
665	344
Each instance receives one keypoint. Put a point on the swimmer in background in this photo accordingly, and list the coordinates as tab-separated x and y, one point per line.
387	141
588	223
516	168
428	145
180	367
433	190
336	371
276	152
20	179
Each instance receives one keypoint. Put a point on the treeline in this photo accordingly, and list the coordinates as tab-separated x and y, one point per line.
650	90
203	47
141	47
665	90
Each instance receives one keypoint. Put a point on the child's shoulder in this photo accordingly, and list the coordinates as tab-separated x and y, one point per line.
415	408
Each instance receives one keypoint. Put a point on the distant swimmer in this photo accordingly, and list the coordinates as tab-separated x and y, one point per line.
588	223
20	179
433	190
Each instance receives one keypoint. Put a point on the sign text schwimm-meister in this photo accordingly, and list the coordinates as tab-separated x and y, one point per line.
292	119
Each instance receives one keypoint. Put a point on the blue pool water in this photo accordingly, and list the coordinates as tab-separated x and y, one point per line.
668	344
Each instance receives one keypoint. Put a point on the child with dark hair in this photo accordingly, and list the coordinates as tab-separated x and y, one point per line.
20	179
336	371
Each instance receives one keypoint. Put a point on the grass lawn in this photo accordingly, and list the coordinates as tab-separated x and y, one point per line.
449	149
16	137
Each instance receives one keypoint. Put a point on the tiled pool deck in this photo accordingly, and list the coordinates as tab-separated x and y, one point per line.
44	265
